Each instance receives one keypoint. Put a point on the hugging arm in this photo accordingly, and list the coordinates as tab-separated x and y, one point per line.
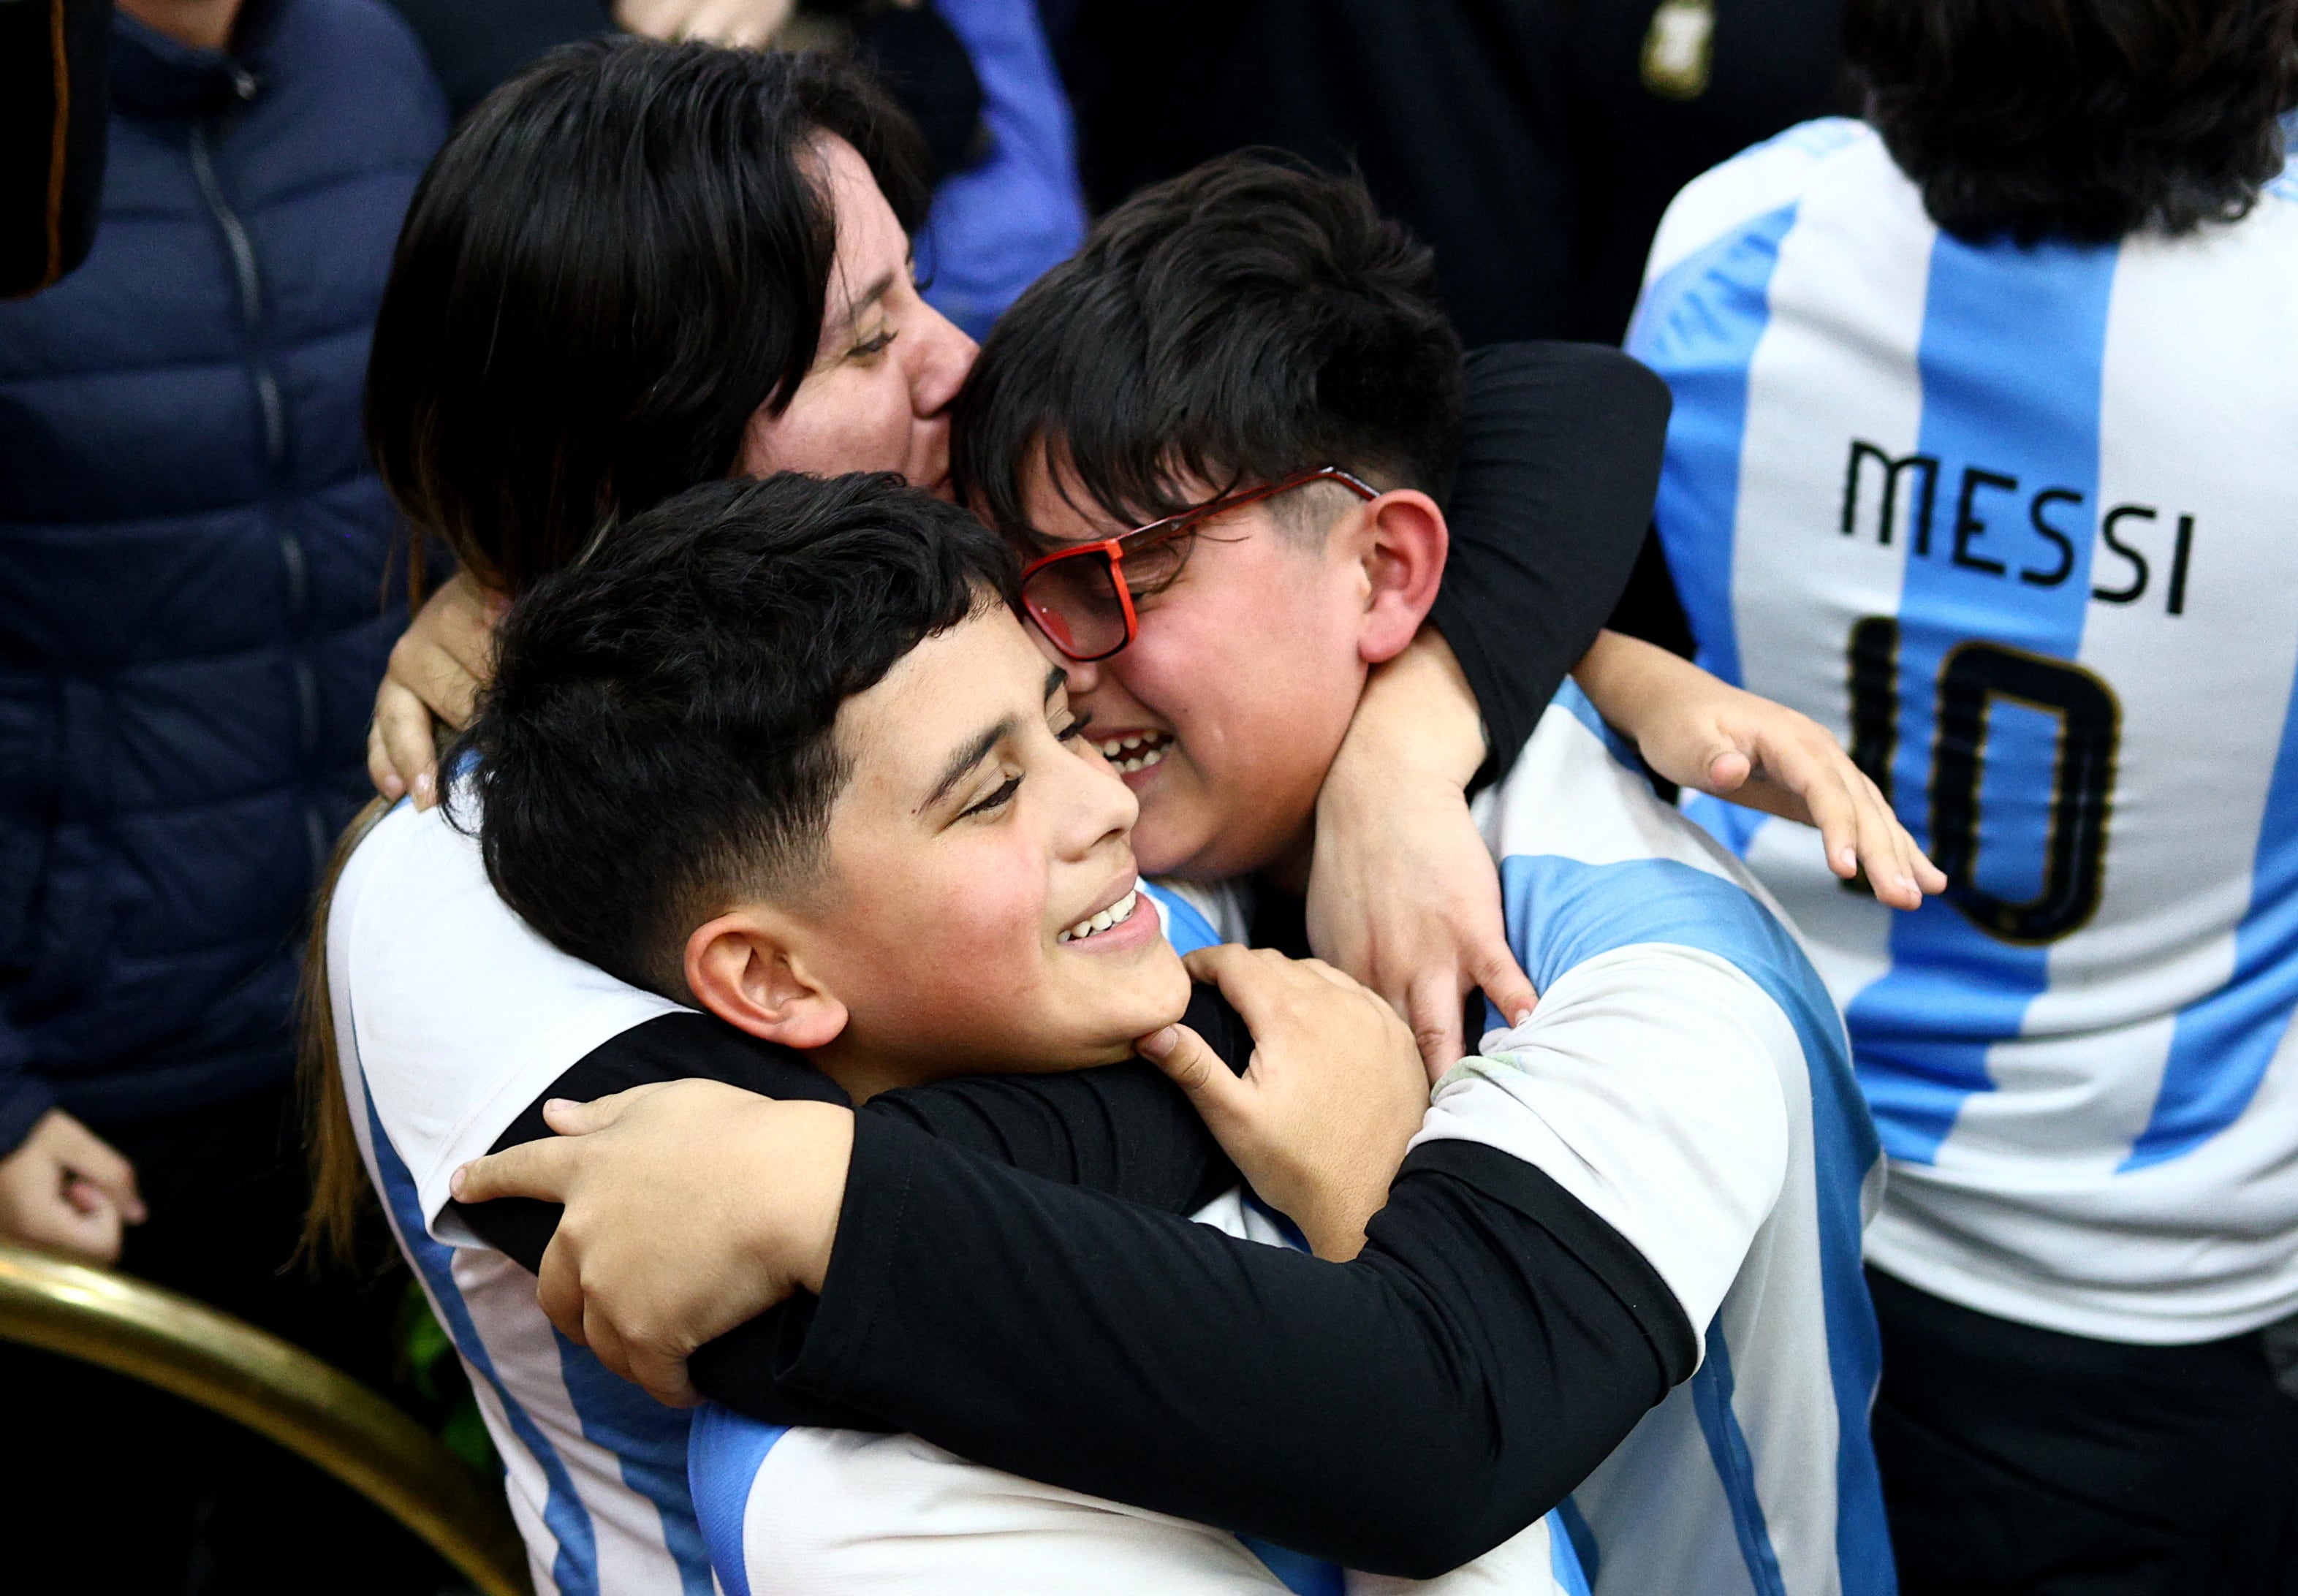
1402	1413
1121	1129
1560	460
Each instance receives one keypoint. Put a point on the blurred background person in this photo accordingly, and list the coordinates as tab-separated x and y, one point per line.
1533	143
1982	455
977	76
197	600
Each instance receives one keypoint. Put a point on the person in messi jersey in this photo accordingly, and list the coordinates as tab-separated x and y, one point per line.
1982	455
1677	1118
503	414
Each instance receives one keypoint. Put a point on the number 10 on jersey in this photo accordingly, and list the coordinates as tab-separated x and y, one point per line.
1976	678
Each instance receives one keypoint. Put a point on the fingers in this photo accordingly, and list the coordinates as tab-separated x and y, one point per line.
569	1118
445	656
1858	830
1493	968
97	1162
1258	982
402	755
1432	1009
381	774
79	1221
1196	1069
1728	770
558	1290
663	1375
544	1170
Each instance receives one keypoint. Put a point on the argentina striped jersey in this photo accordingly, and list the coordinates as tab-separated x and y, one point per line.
2013	522
1686	1077
450	1017
789	1511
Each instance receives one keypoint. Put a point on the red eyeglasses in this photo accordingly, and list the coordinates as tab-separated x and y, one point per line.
1081	597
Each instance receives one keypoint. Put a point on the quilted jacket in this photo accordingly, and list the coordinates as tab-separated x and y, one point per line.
195	599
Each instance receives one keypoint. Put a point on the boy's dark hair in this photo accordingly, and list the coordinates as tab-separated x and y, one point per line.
1242	321
657	740
616	260
2082	120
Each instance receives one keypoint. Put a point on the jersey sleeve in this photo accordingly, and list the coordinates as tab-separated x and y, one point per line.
1560	460
1646	1085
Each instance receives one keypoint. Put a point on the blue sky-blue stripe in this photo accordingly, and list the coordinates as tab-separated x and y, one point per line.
1562	913
2011	355
1564	1558
1705	341
2220	1045
1727	1444
725	1454
649	1441
576	1569
1185	928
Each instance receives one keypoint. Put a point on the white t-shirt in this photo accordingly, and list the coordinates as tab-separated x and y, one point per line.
2014	524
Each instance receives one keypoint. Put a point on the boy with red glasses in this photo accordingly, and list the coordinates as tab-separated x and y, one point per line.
1672	1134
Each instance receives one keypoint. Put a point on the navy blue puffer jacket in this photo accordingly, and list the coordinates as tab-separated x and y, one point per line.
193	603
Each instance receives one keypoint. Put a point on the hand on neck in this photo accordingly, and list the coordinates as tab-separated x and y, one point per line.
197	24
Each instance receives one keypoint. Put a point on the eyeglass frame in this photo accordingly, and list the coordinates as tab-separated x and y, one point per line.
1160	532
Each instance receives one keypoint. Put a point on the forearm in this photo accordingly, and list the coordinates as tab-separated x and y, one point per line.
1635	685
1402	1413
1558	466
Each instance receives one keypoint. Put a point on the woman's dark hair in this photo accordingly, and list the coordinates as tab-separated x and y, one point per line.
1247	319
657	740
616	258
2082	120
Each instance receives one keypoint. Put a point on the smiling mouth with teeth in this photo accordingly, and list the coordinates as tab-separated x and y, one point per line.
1136	750
1117	914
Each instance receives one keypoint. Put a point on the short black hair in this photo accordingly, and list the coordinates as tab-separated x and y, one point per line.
2082	120
657	740
1247	319
616	259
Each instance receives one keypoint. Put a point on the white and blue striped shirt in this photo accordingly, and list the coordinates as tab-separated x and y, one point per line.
1685	1077
2016	525
451	1016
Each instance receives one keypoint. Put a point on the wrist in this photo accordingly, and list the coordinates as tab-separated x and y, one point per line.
801	1153
1418	721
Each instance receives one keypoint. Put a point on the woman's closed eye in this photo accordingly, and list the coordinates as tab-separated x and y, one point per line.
869	347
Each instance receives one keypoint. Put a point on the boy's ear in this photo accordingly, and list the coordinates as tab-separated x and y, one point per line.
746	967
1401	544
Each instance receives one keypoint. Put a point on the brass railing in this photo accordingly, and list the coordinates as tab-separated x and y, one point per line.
275	1389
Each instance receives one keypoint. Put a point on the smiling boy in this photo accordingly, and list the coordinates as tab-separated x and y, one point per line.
1678	1114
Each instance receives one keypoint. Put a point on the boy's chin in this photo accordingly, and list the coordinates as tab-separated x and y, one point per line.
1149	997
1189	837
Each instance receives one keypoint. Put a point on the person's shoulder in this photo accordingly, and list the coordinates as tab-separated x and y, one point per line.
1538	377
357	64
1760	184
308	28
1592	862
453	1012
